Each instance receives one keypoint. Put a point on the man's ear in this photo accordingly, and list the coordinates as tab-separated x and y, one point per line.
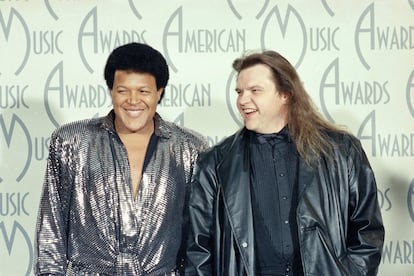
285	97
160	91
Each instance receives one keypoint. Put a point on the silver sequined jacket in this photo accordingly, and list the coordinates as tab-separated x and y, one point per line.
90	224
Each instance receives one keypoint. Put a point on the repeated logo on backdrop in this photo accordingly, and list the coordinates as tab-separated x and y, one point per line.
20	30
59	95
356	59
410	93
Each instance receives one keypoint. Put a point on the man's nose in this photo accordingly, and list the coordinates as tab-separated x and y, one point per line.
243	97
133	97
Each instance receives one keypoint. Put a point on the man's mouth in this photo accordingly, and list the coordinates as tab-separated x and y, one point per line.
249	110
134	112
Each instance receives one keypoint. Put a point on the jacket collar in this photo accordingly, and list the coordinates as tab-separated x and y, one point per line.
235	177
163	129
235	171
235	166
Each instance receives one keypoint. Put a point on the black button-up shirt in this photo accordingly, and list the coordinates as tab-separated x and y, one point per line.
274	202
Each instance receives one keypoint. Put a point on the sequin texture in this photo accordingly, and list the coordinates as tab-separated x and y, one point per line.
88	221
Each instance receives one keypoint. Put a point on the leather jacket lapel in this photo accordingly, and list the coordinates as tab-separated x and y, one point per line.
235	172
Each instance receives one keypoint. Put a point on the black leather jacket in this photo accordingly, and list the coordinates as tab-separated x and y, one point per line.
339	221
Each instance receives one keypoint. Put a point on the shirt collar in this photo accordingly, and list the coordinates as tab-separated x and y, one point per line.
282	135
162	128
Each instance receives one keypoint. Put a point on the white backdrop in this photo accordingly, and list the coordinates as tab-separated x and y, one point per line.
355	58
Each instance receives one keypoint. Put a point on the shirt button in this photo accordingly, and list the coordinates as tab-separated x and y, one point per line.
244	244
286	221
282	174
284	197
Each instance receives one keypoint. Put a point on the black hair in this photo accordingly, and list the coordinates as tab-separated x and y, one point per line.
139	58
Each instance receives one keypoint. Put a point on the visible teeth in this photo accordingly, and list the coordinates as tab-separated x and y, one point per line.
133	111
249	110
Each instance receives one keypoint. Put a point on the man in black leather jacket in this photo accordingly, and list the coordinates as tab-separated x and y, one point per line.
289	193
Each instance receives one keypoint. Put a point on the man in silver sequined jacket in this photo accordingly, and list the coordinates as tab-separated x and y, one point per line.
116	187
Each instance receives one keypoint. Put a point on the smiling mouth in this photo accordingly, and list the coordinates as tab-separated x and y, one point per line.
249	111
134	112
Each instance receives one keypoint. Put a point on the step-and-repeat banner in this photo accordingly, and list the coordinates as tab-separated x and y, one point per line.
355	58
